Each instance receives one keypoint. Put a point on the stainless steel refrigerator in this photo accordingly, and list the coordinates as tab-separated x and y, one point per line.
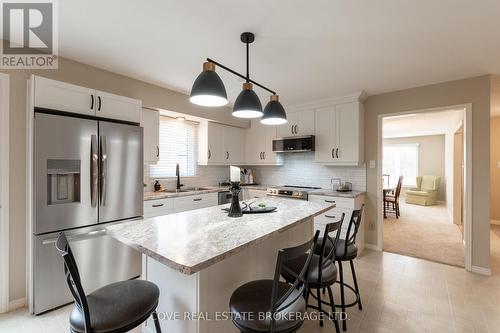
87	174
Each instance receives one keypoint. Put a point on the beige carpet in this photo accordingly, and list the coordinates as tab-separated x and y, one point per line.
424	232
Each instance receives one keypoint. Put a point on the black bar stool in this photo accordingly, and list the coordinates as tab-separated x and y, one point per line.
323	272
271	305
115	308
346	250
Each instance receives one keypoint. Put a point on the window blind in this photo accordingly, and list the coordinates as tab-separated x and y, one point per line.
178	144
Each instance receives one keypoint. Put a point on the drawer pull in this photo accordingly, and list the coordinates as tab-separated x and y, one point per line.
331	216
330	201
157	205
197	199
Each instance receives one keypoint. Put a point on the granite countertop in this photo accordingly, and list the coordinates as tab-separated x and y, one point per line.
331	193
150	195
191	241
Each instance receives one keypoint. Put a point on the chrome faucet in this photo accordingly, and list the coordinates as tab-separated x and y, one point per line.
178	175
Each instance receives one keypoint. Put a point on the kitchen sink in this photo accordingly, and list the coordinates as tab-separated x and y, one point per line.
188	189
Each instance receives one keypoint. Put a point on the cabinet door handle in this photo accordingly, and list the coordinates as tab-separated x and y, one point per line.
264	155
157	205
292	129
227	155
91	102
99	103
330	216
296	129
158	151
260	155
330	201
197	199
209	154
333	152
337	152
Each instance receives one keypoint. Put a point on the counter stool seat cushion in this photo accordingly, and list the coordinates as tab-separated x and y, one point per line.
352	250
328	274
254	298
117	306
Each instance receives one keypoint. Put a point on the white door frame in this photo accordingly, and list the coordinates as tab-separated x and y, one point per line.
4	192
467	123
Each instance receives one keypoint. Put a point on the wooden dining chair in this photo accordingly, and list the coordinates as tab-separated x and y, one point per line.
391	200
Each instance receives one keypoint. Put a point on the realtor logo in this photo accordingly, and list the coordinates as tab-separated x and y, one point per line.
29	39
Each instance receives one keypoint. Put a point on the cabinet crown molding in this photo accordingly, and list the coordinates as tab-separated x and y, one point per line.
360	97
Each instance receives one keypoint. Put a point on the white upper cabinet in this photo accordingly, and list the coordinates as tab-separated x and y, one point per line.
259	145
117	107
299	123
150	122
234	145
339	134
61	96
220	144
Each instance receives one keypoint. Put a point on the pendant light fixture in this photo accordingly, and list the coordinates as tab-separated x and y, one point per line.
208	90
274	113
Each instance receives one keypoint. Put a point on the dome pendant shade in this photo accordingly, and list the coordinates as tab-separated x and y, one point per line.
208	88
247	104
274	113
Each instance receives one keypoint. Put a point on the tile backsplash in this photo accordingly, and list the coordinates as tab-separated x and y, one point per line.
300	169
207	176
297	169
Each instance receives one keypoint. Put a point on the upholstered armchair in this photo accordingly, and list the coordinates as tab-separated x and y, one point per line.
425	194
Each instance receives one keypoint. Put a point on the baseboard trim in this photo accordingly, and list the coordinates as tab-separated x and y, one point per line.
481	270
372	247
495	222
17	303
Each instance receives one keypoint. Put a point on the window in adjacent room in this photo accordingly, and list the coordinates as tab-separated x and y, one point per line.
401	160
178	144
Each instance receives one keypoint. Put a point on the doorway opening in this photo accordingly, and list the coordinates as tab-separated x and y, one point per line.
423	202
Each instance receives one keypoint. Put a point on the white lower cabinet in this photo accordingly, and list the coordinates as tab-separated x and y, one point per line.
192	202
343	205
167	206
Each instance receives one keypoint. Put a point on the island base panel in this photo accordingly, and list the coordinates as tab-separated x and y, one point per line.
206	293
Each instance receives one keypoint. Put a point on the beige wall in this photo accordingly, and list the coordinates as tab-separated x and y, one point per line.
472	90
431	152
87	76
495	171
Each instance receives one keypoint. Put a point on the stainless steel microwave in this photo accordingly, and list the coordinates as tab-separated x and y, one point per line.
294	144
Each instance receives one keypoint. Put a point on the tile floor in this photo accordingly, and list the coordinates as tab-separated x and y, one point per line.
399	294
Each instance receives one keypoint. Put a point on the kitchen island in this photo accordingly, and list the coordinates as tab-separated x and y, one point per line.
198	258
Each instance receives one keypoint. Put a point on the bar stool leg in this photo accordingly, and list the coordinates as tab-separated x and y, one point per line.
318	293
342	297
156	321
332	304
356	285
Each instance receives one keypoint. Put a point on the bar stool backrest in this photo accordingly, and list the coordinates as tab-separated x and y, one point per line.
329	258
300	283
73	278
353	228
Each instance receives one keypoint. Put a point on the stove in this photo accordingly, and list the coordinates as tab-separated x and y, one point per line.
290	191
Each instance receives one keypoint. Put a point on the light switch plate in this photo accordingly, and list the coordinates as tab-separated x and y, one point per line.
498	164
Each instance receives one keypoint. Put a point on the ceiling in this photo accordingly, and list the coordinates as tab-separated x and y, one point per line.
433	123
306	50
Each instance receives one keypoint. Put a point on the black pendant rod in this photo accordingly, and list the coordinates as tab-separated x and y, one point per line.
247	78
248	61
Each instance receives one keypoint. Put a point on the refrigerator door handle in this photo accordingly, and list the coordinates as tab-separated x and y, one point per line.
104	169
93	170
87	235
